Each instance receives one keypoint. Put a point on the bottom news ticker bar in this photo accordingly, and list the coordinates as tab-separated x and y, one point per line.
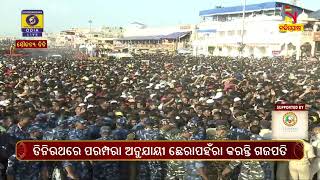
158	150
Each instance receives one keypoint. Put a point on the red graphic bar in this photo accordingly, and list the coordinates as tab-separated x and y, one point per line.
290	107
158	150
26	44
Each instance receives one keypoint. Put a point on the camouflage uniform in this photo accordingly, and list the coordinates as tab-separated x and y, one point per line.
237	134
249	170
151	170
24	170
73	119
55	168
199	132
120	134
215	168
81	169
191	170
17	132
191	167
56	134
78	134
266	166
105	170
176	169
53	119
93	131
41	121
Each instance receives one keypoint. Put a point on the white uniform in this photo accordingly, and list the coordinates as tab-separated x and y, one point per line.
301	169
315	167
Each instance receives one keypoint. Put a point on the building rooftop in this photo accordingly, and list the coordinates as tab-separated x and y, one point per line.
249	8
171	36
315	15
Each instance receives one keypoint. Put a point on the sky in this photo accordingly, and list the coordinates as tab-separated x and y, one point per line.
64	14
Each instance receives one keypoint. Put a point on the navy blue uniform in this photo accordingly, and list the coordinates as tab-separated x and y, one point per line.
105	170
24	170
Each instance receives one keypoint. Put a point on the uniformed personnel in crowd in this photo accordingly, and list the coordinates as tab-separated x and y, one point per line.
170	98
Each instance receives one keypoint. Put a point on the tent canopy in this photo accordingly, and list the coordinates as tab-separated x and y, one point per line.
170	36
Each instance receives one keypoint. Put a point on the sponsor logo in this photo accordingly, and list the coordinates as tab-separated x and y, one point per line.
290	119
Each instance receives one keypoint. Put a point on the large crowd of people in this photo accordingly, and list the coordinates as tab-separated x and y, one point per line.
153	97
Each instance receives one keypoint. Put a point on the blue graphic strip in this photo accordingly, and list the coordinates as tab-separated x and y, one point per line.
32	34
32	30
31	12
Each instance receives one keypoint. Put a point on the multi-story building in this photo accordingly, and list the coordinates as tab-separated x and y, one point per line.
224	31
139	37
316	33
79	36
112	32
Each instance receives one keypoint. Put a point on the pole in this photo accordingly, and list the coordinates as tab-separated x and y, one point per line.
90	22
243	18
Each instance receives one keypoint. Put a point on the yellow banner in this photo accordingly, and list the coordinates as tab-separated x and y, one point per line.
291	27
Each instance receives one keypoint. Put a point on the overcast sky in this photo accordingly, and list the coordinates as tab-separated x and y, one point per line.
64	14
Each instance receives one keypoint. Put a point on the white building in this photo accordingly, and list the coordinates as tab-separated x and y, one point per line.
140	37
220	32
79	36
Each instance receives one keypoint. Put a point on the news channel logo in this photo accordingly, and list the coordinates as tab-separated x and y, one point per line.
290	19
32	23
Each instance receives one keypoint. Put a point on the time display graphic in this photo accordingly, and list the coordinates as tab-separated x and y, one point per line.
24	44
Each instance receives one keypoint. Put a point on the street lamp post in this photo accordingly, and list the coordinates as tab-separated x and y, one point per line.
90	22
242	30
196	39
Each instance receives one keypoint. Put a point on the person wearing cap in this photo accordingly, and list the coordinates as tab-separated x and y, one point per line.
55	114
60	132
171	132
78	169
94	128
79	132
239	131
6	123
35	132
265	132
105	170
248	170
151	169
19	131
7	148
120	133
20	170
199	131
215	168
266	166
193	170
27	169
41	121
